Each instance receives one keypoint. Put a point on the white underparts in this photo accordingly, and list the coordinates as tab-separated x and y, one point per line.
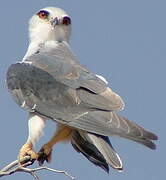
36	124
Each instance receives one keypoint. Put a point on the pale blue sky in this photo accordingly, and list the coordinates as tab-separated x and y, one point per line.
124	41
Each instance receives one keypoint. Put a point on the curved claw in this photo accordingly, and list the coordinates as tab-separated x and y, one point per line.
44	155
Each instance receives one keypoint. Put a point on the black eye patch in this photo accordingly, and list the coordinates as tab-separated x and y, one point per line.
66	20
43	14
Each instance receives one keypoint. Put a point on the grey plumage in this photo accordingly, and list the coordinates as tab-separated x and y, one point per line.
109	124
53	84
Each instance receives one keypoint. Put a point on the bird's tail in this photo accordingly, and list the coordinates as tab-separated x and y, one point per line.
97	149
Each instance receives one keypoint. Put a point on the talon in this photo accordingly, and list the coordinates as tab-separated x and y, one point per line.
26	150
44	154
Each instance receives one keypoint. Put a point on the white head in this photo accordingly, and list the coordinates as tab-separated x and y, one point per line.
50	24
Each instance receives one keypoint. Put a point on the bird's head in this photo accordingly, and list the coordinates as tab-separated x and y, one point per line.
50	24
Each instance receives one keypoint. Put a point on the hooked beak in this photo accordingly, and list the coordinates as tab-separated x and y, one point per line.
54	22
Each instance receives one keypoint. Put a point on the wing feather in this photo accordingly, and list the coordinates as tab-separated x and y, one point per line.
109	123
62	65
53	84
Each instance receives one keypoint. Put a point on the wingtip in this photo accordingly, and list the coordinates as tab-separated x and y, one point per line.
106	168
152	136
155	137
153	146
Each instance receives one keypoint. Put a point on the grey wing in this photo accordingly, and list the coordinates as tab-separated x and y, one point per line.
62	65
52	83
109	124
37	91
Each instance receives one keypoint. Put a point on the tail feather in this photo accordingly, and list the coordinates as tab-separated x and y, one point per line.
97	149
105	147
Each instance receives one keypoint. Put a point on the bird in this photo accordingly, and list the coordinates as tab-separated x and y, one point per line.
51	84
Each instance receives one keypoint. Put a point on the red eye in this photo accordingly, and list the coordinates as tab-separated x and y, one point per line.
43	14
66	20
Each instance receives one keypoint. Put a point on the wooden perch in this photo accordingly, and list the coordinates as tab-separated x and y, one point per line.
21	166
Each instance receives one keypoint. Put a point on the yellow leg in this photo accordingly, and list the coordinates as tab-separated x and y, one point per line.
25	150
63	133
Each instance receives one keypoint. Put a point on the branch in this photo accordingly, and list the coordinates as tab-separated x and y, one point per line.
21	166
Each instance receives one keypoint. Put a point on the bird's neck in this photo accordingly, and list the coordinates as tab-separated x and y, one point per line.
32	49
36	46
